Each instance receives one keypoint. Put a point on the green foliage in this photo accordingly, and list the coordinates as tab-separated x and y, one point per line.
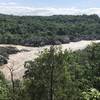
51	68
44	30
91	94
4	91
72	74
58	75
54	75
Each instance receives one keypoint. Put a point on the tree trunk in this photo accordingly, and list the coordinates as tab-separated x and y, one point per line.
51	85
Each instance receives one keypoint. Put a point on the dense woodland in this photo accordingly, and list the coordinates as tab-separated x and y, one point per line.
45	30
57	75
54	75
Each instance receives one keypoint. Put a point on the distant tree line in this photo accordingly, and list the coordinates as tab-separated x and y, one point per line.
44	30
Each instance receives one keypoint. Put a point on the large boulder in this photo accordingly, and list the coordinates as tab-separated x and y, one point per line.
3	60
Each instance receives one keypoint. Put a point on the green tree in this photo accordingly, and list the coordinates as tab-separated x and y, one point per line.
48	78
91	94
4	90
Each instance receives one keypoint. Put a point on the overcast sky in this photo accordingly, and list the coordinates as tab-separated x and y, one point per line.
49	7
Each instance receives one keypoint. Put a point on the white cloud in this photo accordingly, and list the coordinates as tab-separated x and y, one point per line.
7	3
12	8
92	11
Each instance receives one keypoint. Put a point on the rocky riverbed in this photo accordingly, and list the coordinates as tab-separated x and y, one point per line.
30	53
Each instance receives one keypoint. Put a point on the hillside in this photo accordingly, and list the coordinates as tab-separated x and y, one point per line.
43	30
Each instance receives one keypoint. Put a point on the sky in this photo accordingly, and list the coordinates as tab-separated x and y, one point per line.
50	7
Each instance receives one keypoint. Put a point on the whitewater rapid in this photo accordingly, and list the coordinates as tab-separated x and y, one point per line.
30	53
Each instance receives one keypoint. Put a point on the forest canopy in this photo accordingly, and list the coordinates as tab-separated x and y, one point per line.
44	30
57	75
